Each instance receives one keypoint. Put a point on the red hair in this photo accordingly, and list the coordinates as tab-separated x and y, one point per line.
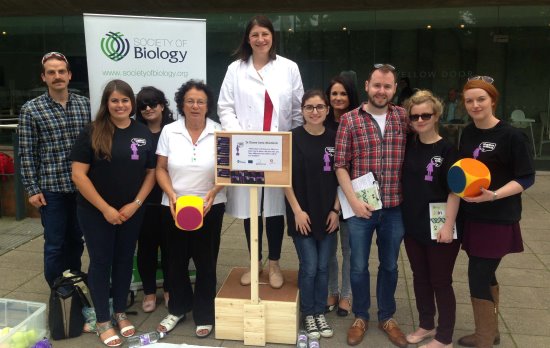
487	87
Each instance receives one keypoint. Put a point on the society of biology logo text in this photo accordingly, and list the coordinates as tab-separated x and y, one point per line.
115	45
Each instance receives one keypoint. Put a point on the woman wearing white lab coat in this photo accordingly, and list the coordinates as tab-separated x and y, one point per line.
261	91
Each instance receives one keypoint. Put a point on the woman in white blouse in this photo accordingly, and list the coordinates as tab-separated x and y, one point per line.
261	91
185	166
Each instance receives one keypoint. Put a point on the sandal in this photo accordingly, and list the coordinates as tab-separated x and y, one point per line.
104	327
332	301
120	317
343	312
149	303
203	331
169	322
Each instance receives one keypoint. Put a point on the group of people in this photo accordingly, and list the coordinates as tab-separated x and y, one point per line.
114	182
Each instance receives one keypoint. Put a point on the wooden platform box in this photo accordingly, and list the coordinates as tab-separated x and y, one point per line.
281	308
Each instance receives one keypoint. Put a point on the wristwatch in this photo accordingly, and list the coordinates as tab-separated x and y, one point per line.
336	211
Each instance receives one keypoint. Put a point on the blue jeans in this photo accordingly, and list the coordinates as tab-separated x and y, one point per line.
63	244
345	290
313	272
389	234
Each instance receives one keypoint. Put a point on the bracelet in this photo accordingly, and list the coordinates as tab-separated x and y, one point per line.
495	196
138	202
334	210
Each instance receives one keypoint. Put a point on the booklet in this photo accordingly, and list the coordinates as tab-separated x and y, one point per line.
366	189
437	219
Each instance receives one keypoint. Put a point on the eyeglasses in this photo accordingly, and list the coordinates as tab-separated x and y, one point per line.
57	55
424	117
190	102
151	104
382	65
319	108
487	79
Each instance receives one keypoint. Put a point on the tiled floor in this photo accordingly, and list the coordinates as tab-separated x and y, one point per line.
524	278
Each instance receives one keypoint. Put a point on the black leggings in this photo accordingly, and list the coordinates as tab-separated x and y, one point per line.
275	228
481	276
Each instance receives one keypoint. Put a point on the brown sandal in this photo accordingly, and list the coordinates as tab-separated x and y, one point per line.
343	312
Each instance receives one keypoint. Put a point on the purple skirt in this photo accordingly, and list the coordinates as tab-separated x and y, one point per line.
491	241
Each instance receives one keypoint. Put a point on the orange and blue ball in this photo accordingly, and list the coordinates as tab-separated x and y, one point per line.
467	176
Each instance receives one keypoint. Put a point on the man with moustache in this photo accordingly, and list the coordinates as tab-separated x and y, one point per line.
48	128
372	138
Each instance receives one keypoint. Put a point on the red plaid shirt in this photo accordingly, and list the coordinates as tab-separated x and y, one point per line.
360	148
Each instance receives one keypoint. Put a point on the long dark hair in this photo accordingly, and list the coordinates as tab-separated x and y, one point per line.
351	91
102	127
150	95
244	51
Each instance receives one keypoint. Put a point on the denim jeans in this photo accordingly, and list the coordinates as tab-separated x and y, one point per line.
313	272
389	233
63	244
345	290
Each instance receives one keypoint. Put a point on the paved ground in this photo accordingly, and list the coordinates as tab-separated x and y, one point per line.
524	279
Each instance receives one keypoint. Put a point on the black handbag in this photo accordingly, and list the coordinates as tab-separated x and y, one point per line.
65	318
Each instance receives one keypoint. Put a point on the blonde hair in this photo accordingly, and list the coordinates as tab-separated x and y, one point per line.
425	96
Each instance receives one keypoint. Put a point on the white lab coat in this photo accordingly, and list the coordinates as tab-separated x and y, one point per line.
241	107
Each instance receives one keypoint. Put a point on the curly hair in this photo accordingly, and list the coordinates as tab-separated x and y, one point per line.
200	86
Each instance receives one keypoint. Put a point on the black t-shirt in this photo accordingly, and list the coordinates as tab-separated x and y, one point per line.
313	179
155	197
117	181
505	151
424	181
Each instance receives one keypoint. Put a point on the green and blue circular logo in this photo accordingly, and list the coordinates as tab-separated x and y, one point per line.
115	46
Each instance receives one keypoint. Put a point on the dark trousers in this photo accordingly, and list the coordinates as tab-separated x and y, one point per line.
152	237
481	276
203	246
432	267
275	229
63	244
111	249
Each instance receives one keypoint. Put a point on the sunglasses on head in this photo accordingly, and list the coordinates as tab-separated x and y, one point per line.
382	65
424	117
56	55
151	104
487	79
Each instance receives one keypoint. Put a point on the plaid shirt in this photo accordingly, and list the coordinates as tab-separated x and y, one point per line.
360	148
47	133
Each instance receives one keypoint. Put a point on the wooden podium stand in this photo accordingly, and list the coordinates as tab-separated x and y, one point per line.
276	321
249	313
255	314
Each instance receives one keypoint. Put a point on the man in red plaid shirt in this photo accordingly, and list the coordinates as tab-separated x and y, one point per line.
372	138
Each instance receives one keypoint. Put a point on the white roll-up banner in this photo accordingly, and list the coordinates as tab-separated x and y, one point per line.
143	51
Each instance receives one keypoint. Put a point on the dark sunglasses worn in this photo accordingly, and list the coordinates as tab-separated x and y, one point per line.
424	117
487	79
151	104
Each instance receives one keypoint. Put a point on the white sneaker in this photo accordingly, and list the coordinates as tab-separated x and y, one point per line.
322	325
311	327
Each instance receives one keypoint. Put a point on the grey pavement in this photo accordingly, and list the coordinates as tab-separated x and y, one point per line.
524	278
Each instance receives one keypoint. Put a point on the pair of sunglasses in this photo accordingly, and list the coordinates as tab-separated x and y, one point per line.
487	79
424	117
151	104
57	55
382	65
